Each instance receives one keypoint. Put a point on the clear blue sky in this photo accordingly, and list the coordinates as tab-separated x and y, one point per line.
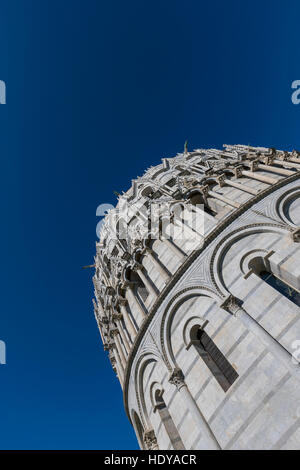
96	92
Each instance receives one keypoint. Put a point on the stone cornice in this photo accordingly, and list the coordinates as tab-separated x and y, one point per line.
186	264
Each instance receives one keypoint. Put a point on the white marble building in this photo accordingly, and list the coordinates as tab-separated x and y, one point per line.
200	313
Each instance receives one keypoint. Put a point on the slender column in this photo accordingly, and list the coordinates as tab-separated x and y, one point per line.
119	365
129	340
100	330
242	187
127	319
230	202
258	177
194	220
136	301
288	164
146	282
100	307
177	379
231	304
174	248
117	317
196	169
204	214
274	169
119	347
157	264
293	159
187	231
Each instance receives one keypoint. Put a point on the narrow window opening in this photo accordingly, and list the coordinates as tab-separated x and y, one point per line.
281	287
217	363
197	199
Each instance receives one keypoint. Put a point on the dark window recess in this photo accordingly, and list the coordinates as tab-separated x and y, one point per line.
171	183
156	195
217	363
281	287
140	287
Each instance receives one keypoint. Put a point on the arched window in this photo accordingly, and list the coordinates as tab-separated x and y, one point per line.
139	429
167	421
197	199
281	287
217	363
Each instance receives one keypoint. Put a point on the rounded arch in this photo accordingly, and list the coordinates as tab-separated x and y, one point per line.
156	390
191	326
170	312
144	360
252	258
283	205
139	429
226	243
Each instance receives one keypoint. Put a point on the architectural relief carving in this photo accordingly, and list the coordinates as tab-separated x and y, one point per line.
177	378
150	440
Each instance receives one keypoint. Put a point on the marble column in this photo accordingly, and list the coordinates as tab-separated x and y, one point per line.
232	305
119	365
161	269
117	317
224	199
240	186
258	177
177	379
147	283
287	163
127	319
119	347
172	245
274	169
136	301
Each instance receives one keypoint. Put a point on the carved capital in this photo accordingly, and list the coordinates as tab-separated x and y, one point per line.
109	290
268	160
177	378
254	165
122	301
231	304
114	332
204	189
137	267
150	440
221	179
296	235
238	171
117	316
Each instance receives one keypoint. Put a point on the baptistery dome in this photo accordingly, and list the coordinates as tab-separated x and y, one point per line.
197	299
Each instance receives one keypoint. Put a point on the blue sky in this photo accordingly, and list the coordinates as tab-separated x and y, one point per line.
96	92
